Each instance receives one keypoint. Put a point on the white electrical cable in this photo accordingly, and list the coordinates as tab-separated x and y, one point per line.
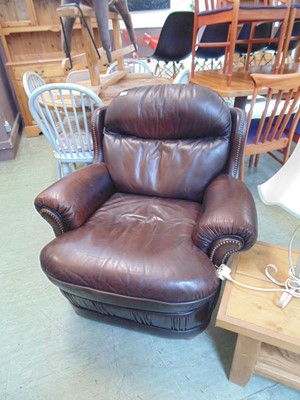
291	287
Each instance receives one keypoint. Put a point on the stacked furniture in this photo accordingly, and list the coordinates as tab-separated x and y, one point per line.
238	15
272	123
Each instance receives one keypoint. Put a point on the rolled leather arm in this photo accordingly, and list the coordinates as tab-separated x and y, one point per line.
68	203
229	220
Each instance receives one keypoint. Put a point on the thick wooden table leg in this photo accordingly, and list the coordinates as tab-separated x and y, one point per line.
118	42
240	102
90	52
244	360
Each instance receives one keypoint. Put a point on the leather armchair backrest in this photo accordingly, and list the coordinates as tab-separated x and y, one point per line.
167	140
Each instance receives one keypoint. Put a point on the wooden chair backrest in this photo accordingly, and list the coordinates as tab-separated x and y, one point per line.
278	115
225	15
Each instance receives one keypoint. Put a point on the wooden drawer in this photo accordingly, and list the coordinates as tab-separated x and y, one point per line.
51	71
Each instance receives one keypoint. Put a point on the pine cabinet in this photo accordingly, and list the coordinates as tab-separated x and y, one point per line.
30	35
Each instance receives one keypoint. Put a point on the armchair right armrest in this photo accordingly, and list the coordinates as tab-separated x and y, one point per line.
229	221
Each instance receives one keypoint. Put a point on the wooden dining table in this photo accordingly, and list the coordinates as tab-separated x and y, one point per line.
241	83
131	80
105	93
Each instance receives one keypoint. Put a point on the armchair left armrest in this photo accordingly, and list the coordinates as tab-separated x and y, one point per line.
69	202
229	221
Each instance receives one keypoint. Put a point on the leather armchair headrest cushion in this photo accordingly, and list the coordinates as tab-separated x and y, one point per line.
169	112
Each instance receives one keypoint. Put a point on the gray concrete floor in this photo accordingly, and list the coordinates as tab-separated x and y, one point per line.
48	352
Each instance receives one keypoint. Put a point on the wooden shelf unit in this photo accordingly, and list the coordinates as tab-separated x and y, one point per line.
30	35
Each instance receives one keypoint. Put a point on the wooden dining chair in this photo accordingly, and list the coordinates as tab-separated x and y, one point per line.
265	11
238	14
215	13
292	33
270	115
246	42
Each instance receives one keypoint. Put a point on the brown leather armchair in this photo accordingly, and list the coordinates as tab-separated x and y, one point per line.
140	231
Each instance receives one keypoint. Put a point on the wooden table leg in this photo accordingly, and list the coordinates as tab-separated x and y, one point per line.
240	102
118	42
244	360
90	52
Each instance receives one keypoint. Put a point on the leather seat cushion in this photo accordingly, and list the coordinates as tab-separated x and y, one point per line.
137	252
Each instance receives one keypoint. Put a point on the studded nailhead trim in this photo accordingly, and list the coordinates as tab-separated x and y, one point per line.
228	253
53	219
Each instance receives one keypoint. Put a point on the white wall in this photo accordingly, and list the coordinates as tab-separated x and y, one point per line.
156	19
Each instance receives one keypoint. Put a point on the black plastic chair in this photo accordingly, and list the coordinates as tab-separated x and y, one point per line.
174	43
262	31
212	33
273	46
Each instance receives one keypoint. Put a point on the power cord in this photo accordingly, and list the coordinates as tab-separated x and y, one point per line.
291	286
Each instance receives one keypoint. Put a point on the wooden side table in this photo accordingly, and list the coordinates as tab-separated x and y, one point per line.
268	340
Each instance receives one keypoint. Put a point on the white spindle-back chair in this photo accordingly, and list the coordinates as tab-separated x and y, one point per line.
32	81
63	111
